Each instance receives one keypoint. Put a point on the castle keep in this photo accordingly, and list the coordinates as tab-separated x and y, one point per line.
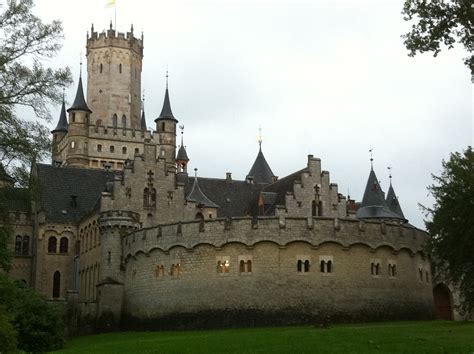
122	232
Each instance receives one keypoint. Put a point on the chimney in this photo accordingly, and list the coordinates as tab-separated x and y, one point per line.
249	179
228	177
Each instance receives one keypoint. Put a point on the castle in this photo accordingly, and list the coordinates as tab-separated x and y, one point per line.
121	232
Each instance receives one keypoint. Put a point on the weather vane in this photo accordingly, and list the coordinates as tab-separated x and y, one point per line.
371	157
389	168
260	137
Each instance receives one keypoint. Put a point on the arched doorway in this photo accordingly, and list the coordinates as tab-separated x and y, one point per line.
443	302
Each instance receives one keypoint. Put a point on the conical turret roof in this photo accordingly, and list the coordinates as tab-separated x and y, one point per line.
62	125
198	196
392	202
143	122
182	155
261	171
373	204
79	102
166	112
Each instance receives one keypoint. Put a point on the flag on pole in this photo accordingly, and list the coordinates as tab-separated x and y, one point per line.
110	3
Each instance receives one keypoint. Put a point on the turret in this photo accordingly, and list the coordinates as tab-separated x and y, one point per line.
392	200
205	208
79	115
59	133
182	156
166	128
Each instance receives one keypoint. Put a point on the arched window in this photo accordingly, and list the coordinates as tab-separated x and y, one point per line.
153	197
199	216
372	268
306	266
114	121
320	208
321	266
120	68
18	242
63	245
26	245
145	197
124	121
242	266
299	265
313	208
100	68
249	266
52	242
329	266
56	284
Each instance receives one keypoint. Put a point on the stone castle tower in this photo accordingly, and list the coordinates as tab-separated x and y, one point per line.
110	127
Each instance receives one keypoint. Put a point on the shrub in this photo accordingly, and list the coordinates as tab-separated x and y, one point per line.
7	333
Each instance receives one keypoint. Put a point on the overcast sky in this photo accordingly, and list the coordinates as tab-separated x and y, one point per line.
328	78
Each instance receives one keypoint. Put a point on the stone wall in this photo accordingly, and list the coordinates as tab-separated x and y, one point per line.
174	270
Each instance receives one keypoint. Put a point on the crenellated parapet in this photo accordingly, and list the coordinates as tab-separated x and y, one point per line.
115	39
119	218
278	230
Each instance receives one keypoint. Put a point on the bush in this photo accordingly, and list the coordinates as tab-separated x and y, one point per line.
38	323
7	333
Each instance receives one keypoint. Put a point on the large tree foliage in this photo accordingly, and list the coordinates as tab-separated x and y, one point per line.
452	223
438	23
25	43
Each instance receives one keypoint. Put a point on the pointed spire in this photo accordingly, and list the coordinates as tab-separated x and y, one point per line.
79	102
261	171
197	195
182	155
143	121
62	125
392	199
166	112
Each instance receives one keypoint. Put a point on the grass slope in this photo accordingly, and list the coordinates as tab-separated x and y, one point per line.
394	337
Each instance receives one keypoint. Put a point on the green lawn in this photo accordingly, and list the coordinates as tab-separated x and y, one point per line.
393	337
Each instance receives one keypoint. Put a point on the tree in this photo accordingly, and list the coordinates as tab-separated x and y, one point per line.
440	22
25	42
452	223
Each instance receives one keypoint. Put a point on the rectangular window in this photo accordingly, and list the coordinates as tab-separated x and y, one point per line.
112	149
99	148
223	264
124	150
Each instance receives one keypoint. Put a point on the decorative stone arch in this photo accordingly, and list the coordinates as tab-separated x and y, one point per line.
443	299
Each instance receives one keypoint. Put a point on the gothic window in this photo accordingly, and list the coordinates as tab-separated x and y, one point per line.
145	197
313	208
18	245
124	121
114	121
26	245
120	68
153	197
100	68
320	208
63	245
52	241
56	284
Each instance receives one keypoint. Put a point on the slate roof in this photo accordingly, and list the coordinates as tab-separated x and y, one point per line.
15	199
79	102
57	185
62	123
166	112
392	202
234	197
373	204
143	122
197	195
182	155
261	171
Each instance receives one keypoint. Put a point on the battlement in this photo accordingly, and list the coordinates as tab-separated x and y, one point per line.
115	39
278	230
119	218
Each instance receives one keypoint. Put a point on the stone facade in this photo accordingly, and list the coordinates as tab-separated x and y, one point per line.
122	235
